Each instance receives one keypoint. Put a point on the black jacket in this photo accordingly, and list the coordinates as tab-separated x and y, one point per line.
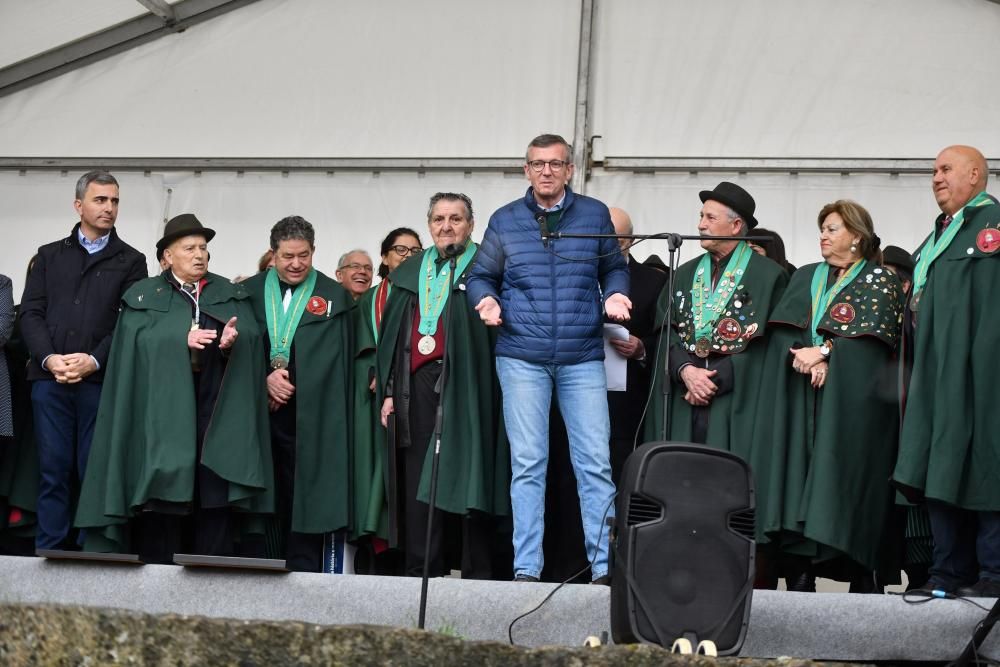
71	299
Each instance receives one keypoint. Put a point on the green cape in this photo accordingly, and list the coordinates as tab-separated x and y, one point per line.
474	465
369	489
322	349
822	458
144	444
732	415
950	442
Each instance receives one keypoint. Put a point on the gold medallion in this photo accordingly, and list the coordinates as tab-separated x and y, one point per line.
279	362
702	347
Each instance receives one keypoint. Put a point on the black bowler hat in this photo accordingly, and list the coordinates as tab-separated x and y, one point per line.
896	256
735	198
180	226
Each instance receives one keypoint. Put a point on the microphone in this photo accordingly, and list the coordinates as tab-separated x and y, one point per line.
543	229
453	250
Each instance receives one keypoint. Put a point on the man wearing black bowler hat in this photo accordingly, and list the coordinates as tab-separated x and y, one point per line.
181	440
721	304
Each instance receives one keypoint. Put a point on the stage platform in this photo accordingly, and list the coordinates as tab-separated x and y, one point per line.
824	626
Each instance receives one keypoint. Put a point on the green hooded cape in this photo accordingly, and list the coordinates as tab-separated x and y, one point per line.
732	415
475	456
144	444
822	458
322	349
369	489
950	442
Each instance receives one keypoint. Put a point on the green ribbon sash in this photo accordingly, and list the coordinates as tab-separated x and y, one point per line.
933	249
433	285
281	323
707	305
823	293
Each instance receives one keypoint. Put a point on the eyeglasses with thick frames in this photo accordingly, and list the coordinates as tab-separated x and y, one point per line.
403	250
354	266
555	165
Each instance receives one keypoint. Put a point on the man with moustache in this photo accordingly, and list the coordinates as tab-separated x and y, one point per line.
306	315
355	272
68	311
546	295
721	303
181	441
949	452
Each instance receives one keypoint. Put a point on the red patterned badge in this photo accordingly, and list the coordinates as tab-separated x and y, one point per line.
988	240
843	313
729	329
316	305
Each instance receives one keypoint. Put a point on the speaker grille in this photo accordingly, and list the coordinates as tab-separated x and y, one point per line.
644	510
743	523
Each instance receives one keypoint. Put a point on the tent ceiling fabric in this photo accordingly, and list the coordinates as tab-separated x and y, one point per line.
316	78
787	78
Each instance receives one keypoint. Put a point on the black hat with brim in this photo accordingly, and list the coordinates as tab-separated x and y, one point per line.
735	198
896	256
180	226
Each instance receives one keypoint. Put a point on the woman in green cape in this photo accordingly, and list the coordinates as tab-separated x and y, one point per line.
825	438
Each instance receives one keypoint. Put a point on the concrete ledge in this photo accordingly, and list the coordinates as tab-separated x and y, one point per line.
824	626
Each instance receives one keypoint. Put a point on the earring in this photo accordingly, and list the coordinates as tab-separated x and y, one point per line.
854	249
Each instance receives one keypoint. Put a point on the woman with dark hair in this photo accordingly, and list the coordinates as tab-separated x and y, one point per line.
824	443
773	250
398	245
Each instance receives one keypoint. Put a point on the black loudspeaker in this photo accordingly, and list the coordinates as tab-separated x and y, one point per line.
683	547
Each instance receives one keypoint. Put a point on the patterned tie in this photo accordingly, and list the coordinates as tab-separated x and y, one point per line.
945	222
190	288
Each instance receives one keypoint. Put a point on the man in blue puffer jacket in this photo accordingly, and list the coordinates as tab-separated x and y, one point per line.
549	292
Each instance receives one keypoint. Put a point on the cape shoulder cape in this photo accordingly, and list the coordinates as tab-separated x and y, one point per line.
739	333
475	458
822	457
950	442
322	349
144	444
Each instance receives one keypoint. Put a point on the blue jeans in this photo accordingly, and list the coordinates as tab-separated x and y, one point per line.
966	544
64	426
583	400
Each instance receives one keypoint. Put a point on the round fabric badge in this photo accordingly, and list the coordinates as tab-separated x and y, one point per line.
316	305
988	240
728	329
843	313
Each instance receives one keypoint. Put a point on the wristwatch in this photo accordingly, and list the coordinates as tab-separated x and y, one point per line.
825	349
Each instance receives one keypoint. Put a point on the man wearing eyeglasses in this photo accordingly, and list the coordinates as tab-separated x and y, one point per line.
355	271
546	295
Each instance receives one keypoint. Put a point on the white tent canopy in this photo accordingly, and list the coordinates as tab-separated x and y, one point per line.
353	113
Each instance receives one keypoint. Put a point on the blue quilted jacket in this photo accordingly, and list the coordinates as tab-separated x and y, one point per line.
551	306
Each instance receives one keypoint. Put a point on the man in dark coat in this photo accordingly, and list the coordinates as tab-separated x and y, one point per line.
949	450
181	436
68	312
307	317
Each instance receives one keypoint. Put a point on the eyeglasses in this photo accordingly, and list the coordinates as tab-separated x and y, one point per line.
354	266
555	165
403	250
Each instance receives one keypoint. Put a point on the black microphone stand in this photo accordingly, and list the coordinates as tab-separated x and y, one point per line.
451	252
674	242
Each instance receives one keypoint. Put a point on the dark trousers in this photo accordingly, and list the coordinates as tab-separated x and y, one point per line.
966	544
464	538
64	426
303	551
157	536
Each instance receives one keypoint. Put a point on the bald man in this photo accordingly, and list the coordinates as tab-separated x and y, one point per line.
626	407
950	442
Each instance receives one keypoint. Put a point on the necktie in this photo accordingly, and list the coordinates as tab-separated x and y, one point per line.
945	222
190	288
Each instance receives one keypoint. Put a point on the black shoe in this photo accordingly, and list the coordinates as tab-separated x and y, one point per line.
526	577
935	587
602	581
984	588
